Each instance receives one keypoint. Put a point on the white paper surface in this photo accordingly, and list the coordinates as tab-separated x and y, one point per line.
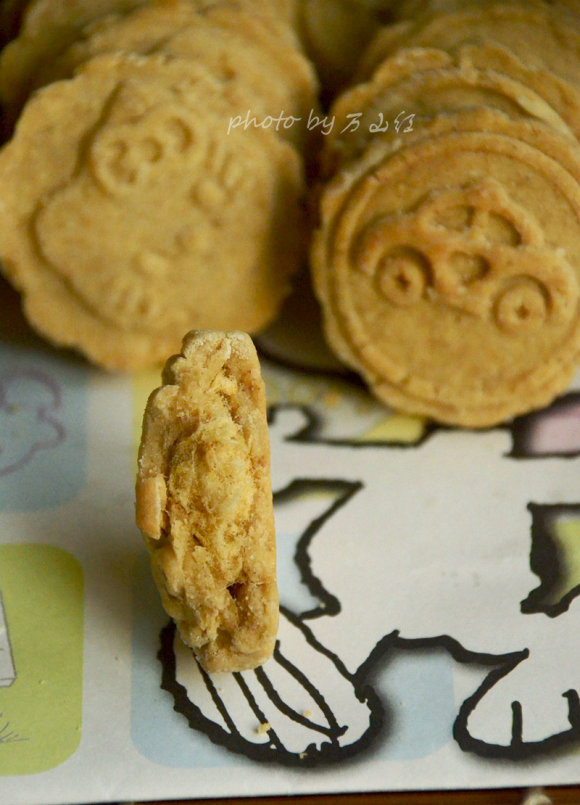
429	584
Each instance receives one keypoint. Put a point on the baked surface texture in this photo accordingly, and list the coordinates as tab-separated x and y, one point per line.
204	501
448	267
131	216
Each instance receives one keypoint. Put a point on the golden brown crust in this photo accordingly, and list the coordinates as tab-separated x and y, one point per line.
448	267
425	82
204	501
47	28
233	45
131	215
537	34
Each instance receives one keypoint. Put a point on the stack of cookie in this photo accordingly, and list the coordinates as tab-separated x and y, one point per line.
154	179
447	254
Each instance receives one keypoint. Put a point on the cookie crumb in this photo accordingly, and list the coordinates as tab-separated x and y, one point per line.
263	728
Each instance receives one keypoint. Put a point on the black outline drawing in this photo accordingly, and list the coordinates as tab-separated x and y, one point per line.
7	669
44	413
331	751
544	562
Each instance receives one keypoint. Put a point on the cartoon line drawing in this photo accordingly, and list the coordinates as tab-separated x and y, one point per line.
445	543
28	402
7	677
7	669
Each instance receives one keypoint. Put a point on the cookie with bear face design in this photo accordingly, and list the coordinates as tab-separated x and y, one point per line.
204	501
131	215
449	268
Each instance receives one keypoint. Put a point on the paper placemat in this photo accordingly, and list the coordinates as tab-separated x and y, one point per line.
429	582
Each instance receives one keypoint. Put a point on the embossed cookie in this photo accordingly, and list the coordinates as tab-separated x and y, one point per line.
231	44
139	30
47	27
448	268
541	37
131	215
204	501
425	82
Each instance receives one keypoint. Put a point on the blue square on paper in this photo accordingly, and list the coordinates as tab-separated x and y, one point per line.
43	445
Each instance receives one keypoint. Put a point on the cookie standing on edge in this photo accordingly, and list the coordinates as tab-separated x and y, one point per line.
204	501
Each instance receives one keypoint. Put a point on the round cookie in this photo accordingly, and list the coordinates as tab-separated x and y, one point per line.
423	82
541	37
222	47
132	215
139	30
204	501
47	28
448	269
278	40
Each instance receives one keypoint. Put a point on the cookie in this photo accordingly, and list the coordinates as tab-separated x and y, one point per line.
132	214
424	82
47	28
334	33
232	45
541	37
412	9
448	268
204	501
140	30
275	38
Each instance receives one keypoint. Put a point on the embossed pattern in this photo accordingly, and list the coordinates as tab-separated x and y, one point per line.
425	81
481	255
446	257
135	211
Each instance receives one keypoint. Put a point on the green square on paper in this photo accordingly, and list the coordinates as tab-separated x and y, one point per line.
41	708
